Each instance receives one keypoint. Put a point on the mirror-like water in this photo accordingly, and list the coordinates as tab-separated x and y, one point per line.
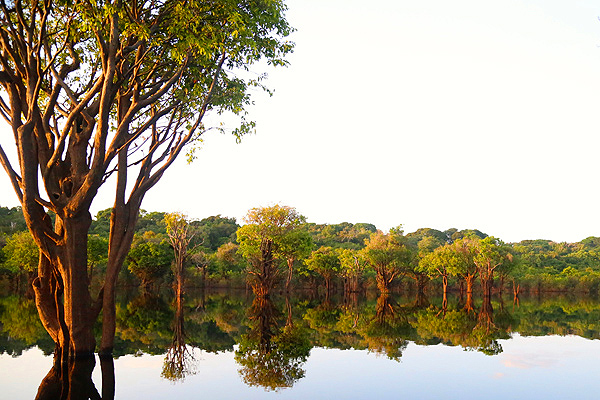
229	345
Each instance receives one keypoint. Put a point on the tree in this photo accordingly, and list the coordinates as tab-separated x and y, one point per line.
324	261
268	239
387	256
150	258
294	246
228	260
489	255
180	236
94	90
22	255
440	263
352	264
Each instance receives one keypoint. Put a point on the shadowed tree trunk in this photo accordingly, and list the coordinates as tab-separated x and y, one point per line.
72	380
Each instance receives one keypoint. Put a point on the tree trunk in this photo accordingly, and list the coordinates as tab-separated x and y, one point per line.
62	288
422	281
486	286
79	316
288	281
469	281
382	283
122	227
445	284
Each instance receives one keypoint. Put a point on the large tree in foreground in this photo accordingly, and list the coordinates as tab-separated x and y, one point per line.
113	89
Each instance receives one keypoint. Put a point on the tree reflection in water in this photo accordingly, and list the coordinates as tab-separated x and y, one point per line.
387	331
465	327
72	379
269	356
179	361
275	344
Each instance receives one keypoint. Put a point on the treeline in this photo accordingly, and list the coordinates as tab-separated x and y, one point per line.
277	249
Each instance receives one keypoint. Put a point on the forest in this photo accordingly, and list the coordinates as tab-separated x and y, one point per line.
276	249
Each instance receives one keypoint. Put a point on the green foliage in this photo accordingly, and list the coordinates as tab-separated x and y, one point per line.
280	226
213	232
324	261
21	252
11	220
97	249
19	319
344	235
227	260
150	257
388	256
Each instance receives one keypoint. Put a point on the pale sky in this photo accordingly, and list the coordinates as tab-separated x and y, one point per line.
468	114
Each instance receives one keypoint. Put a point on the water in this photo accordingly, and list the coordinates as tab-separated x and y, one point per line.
362	348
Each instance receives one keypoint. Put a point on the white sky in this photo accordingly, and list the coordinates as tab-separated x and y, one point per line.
467	114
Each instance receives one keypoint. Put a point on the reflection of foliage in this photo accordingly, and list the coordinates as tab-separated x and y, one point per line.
462	328
20	327
178	364
145	322
20	319
270	357
21	252
387	331
179	360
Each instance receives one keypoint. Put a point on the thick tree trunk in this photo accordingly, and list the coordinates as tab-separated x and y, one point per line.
469	281
486	286
61	289
78	312
382	282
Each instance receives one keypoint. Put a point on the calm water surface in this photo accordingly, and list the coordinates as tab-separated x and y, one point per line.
396	347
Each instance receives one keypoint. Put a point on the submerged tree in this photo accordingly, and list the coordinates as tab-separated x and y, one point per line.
272	235
94	90
180	236
325	262
387	255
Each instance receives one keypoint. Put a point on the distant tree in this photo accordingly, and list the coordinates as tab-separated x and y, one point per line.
324	261
180	235
11	220
344	235
353	265
387	255
441	262
150	258
228	260
21	255
213	232
265	242
465	265
296	245
97	249
489	255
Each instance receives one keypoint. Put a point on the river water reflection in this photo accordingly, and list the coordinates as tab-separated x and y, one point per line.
230	345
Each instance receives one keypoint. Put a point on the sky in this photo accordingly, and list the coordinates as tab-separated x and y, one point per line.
469	114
